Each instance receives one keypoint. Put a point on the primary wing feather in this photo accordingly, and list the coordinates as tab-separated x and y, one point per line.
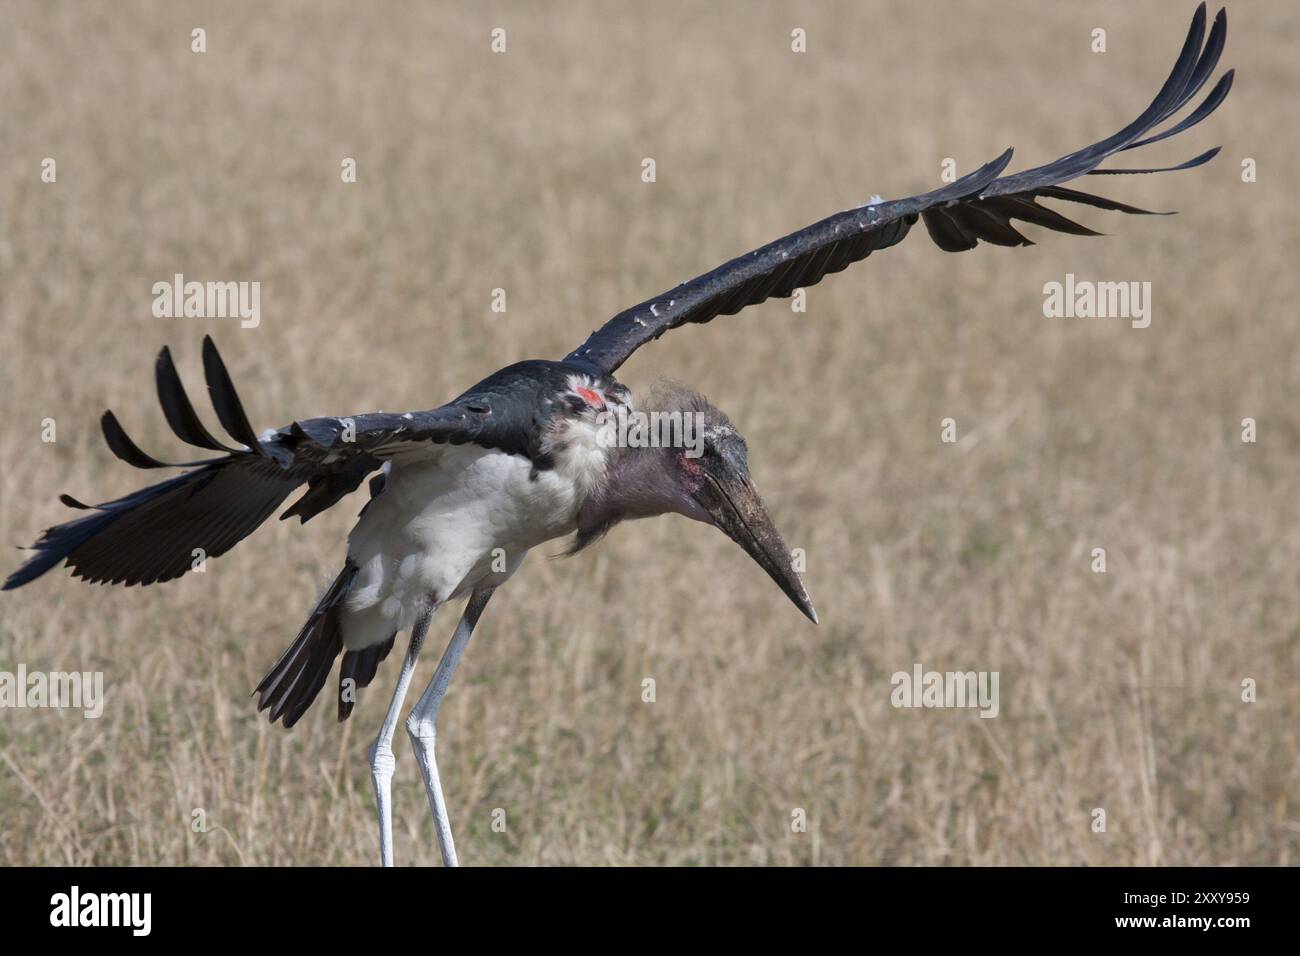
162	531
978	207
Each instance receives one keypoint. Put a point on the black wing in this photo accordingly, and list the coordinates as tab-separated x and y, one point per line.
977	206
159	532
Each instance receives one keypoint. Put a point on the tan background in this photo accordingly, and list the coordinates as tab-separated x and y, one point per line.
522	170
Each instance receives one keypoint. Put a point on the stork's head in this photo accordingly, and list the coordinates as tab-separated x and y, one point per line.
680	454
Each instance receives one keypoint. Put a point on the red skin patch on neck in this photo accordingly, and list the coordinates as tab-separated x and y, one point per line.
591	398
693	470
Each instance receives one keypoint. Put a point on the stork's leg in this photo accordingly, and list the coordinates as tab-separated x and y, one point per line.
421	724
382	761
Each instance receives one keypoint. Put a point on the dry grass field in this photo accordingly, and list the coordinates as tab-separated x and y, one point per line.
522	171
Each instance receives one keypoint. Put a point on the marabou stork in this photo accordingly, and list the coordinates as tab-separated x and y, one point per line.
522	457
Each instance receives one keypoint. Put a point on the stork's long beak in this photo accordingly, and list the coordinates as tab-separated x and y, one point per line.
733	503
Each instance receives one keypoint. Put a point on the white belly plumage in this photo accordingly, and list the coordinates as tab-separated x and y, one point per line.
450	519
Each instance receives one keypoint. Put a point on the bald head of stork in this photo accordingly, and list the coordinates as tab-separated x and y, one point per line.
680	454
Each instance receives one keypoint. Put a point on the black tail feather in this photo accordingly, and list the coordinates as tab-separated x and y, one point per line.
360	667
297	677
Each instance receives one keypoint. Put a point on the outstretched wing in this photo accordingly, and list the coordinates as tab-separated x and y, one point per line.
977	206
160	532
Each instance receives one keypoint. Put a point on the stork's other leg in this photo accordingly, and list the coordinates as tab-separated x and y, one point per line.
382	761
421	724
